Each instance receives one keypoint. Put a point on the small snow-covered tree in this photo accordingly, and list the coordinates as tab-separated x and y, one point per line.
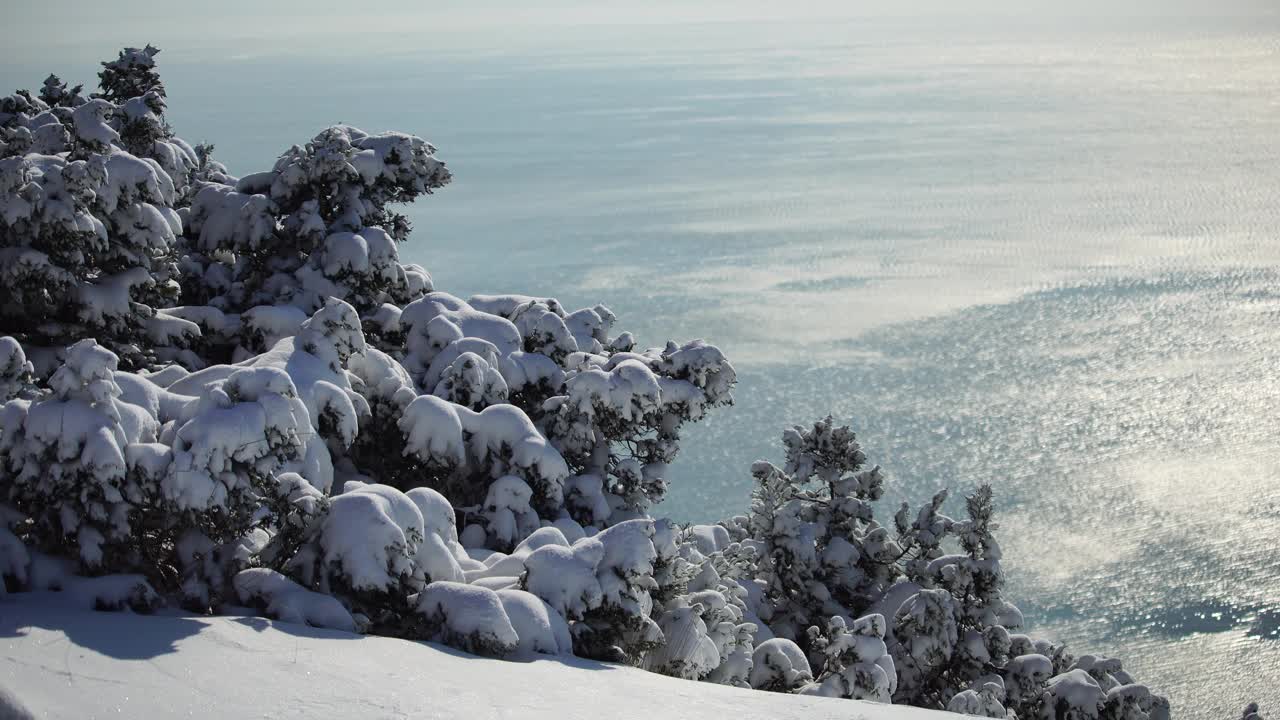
379	447
314	359
365	555
319	224
856	663
618	420
296	513
700	606
16	372
541	630
687	650
951	636
1043	680
471	381
602	584
1134	702
87	227
226	478
55	93
130	75
824	558
66	463
285	600
926	636
468	617
621	628
240	432
987	701
779	665
822	552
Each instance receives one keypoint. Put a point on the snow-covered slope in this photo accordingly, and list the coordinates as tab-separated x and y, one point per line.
67	662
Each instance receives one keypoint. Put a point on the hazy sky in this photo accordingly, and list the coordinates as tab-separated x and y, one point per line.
70	24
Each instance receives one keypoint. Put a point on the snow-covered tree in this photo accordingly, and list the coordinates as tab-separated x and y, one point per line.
709	631
379	449
779	665
494	461
472	381
365	553
241	431
64	457
856	663
130	75
319	224
467	616
87	227
281	598
603	584
55	93
934	583
540	629
822	552
618	420
16	372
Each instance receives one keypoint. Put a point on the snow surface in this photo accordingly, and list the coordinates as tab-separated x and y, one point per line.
64	662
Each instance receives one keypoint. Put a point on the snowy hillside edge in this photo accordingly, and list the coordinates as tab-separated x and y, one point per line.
67	663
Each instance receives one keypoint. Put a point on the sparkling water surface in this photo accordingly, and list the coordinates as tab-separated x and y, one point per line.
1039	257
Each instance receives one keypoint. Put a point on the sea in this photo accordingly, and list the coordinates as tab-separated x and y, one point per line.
1039	254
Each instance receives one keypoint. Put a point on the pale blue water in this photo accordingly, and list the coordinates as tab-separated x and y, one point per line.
1036	257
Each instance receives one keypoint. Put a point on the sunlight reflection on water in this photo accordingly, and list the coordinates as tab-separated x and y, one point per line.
1051	272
